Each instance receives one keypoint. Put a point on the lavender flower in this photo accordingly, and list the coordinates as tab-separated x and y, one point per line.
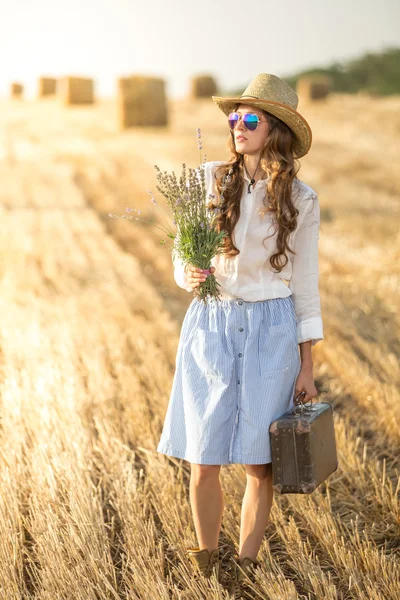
187	197
154	201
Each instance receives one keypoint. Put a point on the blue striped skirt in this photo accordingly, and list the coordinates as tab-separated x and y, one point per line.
236	367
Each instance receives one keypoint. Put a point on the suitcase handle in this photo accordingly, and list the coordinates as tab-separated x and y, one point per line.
300	406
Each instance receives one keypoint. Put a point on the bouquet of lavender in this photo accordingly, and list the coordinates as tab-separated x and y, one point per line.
196	240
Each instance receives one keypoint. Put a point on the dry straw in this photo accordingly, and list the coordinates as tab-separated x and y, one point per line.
76	90
203	86
141	101
88	508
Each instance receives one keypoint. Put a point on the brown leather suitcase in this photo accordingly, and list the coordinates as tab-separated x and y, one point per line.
303	447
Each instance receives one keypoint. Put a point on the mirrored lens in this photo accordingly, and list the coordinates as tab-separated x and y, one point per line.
233	119
250	121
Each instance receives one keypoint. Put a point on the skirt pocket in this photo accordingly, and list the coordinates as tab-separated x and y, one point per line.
210	354
277	348
206	372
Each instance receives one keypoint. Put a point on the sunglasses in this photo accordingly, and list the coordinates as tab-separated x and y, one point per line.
250	120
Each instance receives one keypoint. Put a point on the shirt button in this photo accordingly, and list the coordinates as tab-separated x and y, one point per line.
240	302
240	328
240	355
238	380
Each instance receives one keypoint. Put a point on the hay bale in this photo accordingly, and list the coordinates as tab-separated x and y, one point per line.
47	86
141	101
76	90
203	86
16	90
314	87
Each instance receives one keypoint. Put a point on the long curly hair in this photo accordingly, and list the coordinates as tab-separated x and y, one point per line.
277	160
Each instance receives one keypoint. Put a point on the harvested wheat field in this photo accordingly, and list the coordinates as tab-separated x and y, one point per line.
89	325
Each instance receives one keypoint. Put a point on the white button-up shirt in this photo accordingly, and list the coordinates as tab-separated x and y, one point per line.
249	274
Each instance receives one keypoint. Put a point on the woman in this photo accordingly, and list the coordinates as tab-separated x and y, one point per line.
238	367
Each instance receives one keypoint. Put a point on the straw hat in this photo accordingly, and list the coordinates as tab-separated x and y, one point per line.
270	93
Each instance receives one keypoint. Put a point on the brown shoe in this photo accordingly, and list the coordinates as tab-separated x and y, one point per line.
206	562
242	572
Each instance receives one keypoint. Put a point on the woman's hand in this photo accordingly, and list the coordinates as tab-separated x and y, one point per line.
305	381
196	275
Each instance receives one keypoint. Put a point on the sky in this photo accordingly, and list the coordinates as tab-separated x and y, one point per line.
176	39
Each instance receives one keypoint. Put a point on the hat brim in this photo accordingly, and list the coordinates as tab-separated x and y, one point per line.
292	118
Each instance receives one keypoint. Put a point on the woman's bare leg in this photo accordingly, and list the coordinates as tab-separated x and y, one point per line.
256	507
207	503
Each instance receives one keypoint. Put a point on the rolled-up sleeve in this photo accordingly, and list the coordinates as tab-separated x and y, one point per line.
305	272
